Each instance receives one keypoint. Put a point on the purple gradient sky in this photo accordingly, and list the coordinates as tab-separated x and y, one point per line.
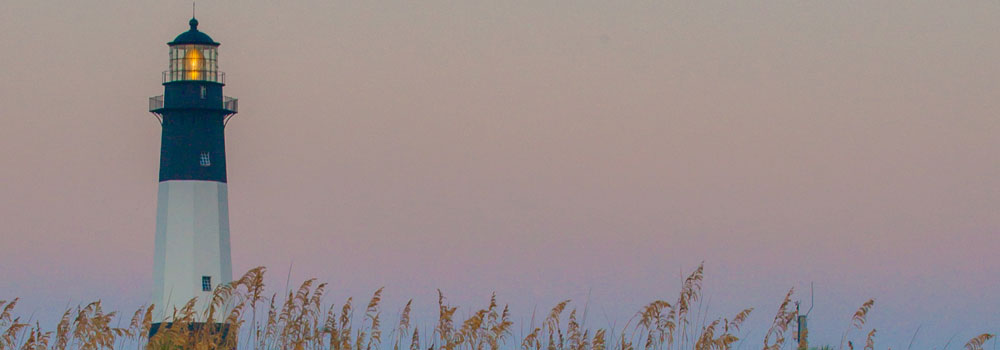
541	149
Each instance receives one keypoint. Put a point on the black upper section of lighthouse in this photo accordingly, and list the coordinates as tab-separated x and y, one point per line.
193	110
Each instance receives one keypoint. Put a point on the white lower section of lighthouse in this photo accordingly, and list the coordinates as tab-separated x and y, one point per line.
192	254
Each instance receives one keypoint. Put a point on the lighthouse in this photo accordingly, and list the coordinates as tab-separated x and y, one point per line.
192	255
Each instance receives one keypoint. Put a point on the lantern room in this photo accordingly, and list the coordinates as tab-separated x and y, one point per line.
194	57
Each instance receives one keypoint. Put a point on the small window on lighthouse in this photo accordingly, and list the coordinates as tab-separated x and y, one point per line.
206	159
206	283
204	92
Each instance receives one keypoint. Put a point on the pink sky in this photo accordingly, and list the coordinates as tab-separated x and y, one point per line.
540	149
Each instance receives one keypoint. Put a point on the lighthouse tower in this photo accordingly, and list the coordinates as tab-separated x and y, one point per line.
192	216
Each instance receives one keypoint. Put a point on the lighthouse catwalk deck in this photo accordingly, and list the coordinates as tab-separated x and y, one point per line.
192	254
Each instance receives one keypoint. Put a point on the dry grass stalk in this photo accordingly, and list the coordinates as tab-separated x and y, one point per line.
345	325
706	340
37	339
531	340
445	328
780	324
499	328
330	328
624	343
575	337
870	341
655	325
977	342
6	308
404	324
599	341
858	320
471	329
553	325
372	315
415	340
861	316
690	293
8	339
738	320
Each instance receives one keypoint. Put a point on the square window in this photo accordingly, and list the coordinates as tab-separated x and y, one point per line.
206	283
206	159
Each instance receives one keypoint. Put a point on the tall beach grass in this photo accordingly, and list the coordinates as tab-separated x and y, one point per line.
300	320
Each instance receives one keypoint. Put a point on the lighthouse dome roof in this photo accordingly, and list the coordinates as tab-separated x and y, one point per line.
193	36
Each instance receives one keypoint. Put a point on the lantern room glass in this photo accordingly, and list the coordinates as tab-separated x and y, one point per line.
193	62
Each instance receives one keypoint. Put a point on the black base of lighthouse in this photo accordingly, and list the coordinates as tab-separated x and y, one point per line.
168	335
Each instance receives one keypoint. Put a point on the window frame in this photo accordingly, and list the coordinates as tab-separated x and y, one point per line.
205	160
206	283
